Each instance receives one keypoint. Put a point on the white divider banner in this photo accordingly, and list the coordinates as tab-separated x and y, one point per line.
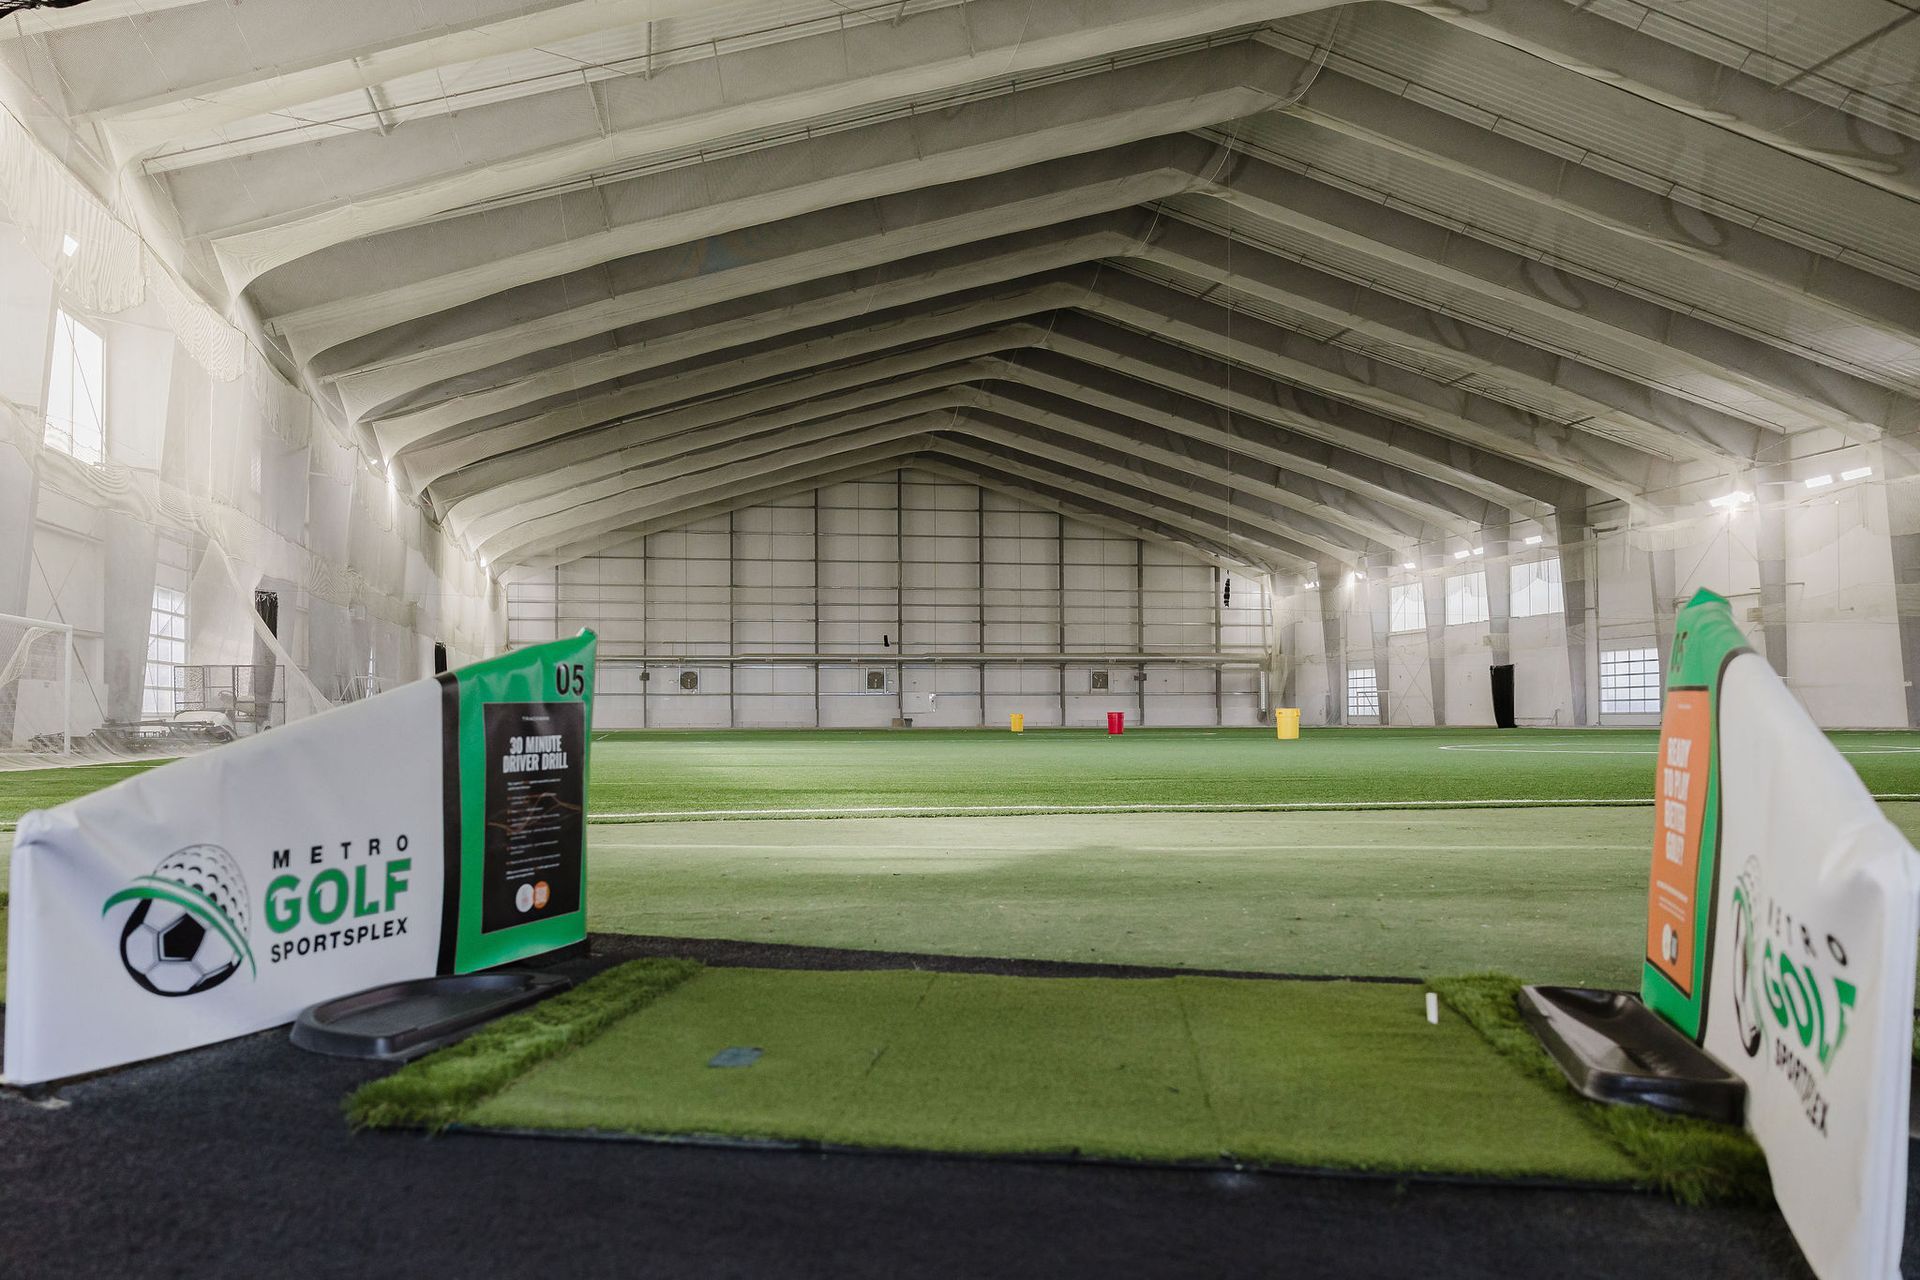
437	828
1811	993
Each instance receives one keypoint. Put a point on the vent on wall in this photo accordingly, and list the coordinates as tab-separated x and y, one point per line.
689	680
876	680
1102	679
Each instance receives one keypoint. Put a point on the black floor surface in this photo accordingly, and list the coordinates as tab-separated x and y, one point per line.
234	1161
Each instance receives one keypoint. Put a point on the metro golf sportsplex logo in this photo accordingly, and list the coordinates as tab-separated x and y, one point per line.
187	932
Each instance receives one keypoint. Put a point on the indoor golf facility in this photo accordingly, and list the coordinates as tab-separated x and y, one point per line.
959	637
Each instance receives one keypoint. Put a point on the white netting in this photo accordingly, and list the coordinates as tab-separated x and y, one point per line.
34	675
224	493
1812	572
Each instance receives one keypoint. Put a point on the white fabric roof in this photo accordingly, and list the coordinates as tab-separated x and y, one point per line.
1273	280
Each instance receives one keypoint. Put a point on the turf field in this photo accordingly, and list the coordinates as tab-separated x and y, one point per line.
1332	1074
764	773
1443	887
1415	854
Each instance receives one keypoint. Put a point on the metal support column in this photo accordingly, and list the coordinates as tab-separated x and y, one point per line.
899	593
816	608
1140	626
1060	603
980	590
1219	605
733	636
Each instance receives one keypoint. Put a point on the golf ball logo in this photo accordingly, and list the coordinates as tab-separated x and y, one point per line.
187	931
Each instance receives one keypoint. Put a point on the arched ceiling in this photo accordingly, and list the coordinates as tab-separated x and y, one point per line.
1274	281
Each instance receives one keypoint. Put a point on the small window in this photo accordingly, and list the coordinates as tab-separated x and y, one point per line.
1466	598
76	382
1102	680
1630	682
166	653
1536	588
1408	609
876	680
689	680
1363	693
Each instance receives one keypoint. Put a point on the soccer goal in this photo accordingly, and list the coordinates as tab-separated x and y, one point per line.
36	688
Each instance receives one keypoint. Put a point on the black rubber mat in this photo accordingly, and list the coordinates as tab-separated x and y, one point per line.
234	1161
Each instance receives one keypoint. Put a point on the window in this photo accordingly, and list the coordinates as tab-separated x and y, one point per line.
1363	693
1467	598
1535	588
1630	682
166	652
1407	609
75	379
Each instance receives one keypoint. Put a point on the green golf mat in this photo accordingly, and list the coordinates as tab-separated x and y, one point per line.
1319	1074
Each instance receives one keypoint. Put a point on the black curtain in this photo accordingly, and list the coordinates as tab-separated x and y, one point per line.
1502	694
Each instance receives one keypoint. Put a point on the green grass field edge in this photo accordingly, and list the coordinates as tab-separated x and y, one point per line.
437	1090
1695	1161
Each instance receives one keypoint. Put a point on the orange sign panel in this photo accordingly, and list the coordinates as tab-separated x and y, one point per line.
1680	809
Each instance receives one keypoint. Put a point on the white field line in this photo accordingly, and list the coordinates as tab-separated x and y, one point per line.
1016	810
867	851
1288	806
1555	749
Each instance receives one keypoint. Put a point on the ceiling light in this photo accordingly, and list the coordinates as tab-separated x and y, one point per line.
1313	586
1535	540
1819	482
1479	551
1409	565
68	246
1733	499
1858	473
1357	576
1459	555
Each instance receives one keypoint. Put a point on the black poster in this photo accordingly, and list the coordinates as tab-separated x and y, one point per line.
536	824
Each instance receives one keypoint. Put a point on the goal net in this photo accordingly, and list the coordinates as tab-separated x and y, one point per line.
36	691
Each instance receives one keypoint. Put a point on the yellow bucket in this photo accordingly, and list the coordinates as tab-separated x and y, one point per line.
1286	723
1018	722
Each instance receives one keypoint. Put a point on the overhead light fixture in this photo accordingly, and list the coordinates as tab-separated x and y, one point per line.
1313	586
68	246
1409	565
1535	540
1733	499
1858	473
1459	555
1357	576
1479	551
1819	482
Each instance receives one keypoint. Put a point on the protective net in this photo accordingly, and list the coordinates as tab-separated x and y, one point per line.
191	550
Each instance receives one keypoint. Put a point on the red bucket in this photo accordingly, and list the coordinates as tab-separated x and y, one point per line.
1116	722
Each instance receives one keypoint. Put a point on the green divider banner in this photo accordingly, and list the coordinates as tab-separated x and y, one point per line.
1782	919
438	828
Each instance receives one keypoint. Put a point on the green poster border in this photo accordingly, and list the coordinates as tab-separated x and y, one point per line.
1705	640
525	675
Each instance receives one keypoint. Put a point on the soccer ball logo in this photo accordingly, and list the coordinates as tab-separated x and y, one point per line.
187	932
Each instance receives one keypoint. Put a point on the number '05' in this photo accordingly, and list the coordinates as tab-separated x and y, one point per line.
570	679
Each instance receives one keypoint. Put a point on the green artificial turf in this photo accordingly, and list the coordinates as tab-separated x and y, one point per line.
666	772
24	789
655	772
1335	1074
1696	1161
438	1089
1556	894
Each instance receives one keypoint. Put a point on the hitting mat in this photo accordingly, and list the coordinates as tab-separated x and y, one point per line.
1325	1074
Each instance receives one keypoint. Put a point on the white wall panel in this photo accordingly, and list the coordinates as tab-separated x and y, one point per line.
948	571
